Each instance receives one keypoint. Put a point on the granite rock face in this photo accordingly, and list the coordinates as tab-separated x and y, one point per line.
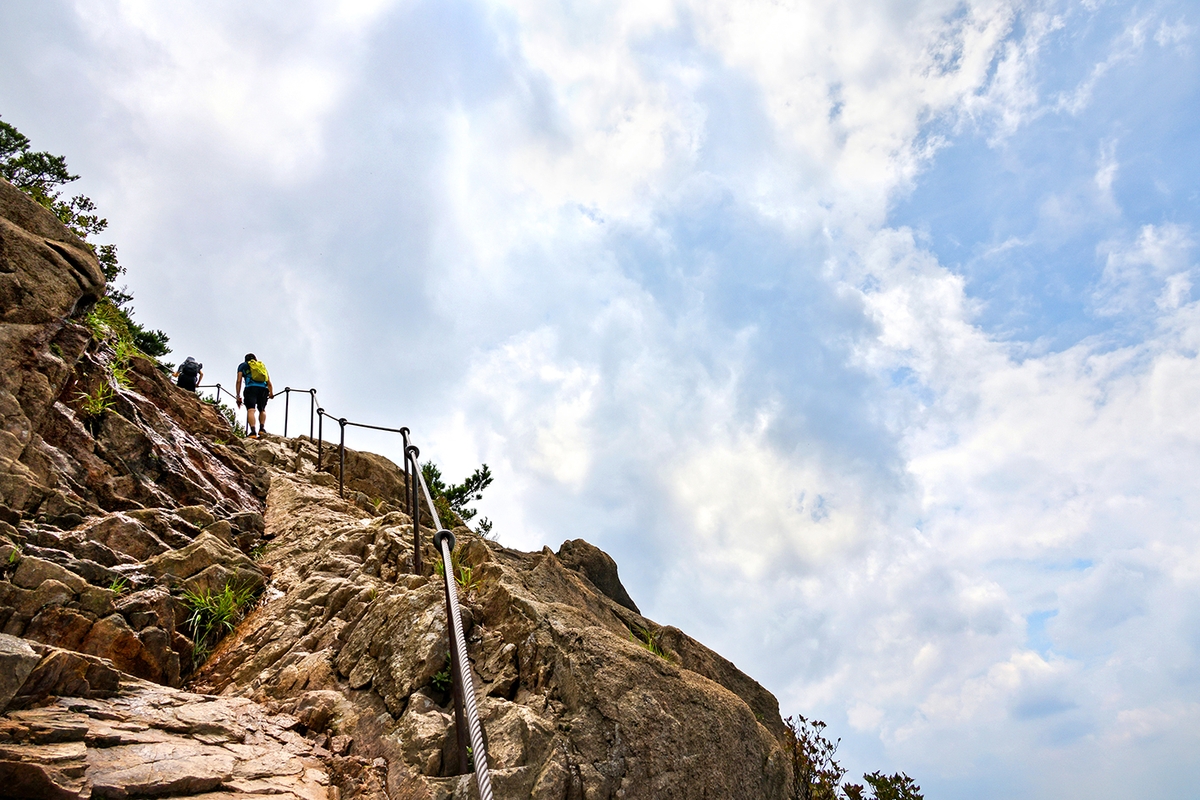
116	528
574	705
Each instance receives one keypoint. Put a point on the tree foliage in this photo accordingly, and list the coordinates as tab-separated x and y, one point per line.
457	497
41	176
817	775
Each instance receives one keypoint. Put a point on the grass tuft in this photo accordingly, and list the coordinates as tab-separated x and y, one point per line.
214	614
648	639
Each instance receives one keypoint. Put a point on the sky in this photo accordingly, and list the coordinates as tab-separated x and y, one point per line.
862	334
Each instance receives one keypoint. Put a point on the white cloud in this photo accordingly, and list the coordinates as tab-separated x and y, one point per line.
1154	270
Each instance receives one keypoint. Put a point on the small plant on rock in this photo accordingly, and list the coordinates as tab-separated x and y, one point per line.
649	640
105	320
464	575
213	615
93	406
443	679
118	586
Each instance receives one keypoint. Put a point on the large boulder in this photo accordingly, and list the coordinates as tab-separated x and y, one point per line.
598	567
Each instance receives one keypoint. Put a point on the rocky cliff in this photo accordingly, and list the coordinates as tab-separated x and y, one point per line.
126	505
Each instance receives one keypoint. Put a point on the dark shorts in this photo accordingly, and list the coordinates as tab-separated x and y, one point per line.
255	397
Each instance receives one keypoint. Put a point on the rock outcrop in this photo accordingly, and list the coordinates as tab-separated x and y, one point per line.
125	525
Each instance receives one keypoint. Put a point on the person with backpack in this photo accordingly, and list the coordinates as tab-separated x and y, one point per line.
189	374
258	391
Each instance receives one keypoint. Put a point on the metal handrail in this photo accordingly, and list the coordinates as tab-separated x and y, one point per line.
287	396
312	405
219	389
466	712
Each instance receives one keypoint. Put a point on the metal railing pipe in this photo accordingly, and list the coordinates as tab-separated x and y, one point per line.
466	712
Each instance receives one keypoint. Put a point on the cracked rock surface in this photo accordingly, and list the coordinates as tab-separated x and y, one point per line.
149	740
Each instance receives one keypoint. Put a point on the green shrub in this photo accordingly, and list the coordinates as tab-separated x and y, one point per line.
817	775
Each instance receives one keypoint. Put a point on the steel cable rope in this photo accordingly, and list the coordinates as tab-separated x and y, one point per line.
444	541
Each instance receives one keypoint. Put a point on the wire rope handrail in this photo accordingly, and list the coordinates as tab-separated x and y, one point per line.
472	756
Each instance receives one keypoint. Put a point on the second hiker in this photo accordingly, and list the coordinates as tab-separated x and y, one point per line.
258	391
189	374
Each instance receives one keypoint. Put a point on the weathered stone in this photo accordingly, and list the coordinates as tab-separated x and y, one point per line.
423	730
201	554
49	593
149	607
199	516
170	529
222	530
17	661
123	534
112	638
66	673
58	626
32	572
248	522
314	710
598	567
98	601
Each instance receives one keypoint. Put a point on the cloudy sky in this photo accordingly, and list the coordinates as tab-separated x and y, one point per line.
863	334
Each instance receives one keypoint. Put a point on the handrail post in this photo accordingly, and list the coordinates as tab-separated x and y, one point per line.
414	502
287	396
342	460
320	434
312	404
407	476
460	718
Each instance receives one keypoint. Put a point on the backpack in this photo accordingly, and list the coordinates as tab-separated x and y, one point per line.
188	371
258	372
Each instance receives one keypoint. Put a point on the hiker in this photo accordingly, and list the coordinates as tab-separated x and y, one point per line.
258	391
189	374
